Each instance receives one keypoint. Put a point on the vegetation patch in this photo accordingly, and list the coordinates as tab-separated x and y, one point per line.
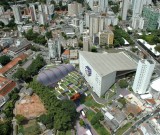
121	130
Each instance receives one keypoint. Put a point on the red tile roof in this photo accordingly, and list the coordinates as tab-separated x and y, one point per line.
6	86
13	63
66	52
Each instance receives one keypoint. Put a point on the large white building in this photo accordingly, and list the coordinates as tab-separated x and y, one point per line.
143	76
154	88
74	8
42	18
103	5
137	11
33	12
54	48
17	13
125	7
101	70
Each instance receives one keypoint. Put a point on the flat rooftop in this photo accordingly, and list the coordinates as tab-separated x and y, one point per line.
106	63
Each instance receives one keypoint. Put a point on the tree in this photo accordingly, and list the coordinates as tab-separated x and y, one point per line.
4	60
93	49
64	112
81	122
5	128
21	74
48	34
97	117
123	83
1	24
20	118
80	45
157	48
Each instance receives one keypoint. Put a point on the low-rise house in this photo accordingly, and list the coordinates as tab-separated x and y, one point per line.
6	86
12	64
20	46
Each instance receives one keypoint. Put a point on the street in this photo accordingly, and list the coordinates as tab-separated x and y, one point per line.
140	121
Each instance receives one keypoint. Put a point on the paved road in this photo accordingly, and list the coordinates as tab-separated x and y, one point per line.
93	131
14	123
140	121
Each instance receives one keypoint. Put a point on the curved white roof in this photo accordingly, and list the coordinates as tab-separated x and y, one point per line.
156	85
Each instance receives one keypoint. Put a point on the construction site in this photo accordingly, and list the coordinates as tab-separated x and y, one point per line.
30	107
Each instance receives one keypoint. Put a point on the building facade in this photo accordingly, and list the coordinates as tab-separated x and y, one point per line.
17	13
54	47
151	15
143	75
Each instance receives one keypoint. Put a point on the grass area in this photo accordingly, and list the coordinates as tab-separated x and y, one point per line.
98	127
89	101
90	114
111	93
65	133
68	132
31	128
122	101
121	130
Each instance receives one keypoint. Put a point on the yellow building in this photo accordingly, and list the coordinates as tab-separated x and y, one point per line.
106	37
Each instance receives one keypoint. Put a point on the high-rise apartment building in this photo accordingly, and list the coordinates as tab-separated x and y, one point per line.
74	8
125	7
42	17
17	13
103	4
33	12
86	43
151	14
1	10
97	24
137	11
54	47
143	76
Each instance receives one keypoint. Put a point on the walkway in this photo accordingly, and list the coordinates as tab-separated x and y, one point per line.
98	99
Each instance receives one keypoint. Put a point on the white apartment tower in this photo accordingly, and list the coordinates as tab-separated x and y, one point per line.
17	13
54	47
1	10
143	76
137	11
74	8
125	7
103	4
86	43
96	24
42	18
33	12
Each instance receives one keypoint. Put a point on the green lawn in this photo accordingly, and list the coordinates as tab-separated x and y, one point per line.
122	101
120	131
89	101
90	114
68	132
31	128
98	127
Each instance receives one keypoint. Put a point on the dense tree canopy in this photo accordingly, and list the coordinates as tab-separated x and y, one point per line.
35	37
64	112
157	48
5	128
4	60
123	83
32	70
119	36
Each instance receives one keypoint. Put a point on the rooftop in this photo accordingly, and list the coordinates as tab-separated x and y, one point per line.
156	85
12	63
6	86
107	63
